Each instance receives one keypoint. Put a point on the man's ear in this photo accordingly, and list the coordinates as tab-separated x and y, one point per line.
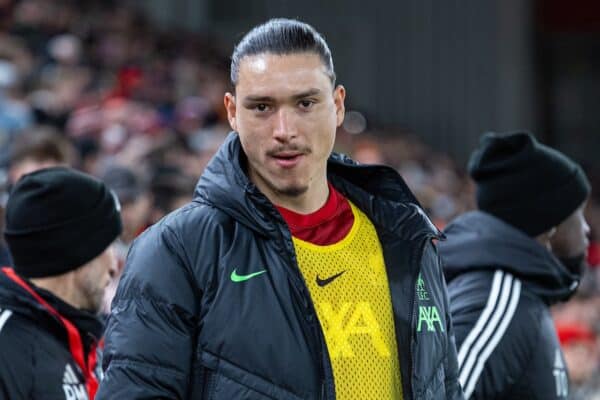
229	101
339	95
545	238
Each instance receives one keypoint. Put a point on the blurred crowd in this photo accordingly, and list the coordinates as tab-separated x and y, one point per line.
96	86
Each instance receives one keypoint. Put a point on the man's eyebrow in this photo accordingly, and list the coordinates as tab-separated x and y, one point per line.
258	99
269	99
308	93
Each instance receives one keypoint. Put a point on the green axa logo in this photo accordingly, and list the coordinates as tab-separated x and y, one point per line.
421	290
429	315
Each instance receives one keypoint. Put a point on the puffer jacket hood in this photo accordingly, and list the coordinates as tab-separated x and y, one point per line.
12	296
479	241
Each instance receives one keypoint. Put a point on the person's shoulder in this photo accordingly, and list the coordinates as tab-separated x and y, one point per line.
18	333
182	227
532	315
187	240
191	218
492	289
472	281
509	302
491	300
20	344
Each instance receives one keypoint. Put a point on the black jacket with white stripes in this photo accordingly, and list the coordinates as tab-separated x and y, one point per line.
35	357
501	283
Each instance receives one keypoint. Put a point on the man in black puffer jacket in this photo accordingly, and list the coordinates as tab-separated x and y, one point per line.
294	273
508	262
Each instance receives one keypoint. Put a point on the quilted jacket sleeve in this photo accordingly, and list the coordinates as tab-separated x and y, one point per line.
149	348
454	390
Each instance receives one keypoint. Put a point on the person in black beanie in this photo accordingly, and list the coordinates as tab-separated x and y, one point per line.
60	225
507	262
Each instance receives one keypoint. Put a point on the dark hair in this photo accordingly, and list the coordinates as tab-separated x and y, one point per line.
42	144
168	184
281	36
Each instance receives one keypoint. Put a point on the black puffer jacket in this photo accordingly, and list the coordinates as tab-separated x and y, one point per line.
36	361
181	329
501	283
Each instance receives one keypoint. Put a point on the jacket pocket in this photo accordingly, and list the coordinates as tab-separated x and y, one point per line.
226	381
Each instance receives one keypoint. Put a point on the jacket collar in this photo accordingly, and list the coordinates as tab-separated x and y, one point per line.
480	241
377	190
17	299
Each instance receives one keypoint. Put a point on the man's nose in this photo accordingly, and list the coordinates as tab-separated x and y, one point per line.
284	127
113	264
586	228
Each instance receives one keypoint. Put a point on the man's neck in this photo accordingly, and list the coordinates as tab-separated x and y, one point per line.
62	286
303	204
306	203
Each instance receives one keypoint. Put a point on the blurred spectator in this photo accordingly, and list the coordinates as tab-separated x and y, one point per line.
368	152
134	197
90	155
135	201
582	345
170	189
35	149
15	114
39	148
443	190
581	351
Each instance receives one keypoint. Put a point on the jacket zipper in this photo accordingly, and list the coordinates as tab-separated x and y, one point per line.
313	321
300	283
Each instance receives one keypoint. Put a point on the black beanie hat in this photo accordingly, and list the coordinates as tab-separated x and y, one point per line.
525	183
58	219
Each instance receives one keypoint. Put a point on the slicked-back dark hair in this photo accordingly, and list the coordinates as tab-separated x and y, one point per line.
281	36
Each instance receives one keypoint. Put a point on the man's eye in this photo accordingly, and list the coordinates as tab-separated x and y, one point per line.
261	107
306	103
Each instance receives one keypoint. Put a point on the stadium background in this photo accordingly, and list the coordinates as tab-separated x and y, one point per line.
139	84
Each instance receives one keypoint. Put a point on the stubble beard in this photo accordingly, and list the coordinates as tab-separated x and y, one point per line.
292	191
289	191
95	298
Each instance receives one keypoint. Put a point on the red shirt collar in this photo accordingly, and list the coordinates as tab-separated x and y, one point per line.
327	211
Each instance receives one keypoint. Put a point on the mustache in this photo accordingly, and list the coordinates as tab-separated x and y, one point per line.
289	148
